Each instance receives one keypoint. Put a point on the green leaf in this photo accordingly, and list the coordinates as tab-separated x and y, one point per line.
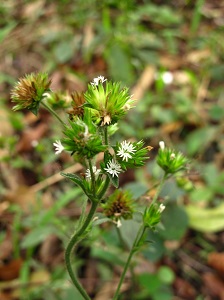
114	180
36	236
35	109
129	230
75	178
199	139
156	249
119	62
7	29
166	275
206	219
175	222
137	189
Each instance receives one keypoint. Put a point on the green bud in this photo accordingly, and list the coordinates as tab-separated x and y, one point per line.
152	215
171	161
82	137
59	100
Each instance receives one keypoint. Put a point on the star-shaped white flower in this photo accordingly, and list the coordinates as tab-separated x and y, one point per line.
58	147
113	168
162	145
96	172
161	208
97	80
125	150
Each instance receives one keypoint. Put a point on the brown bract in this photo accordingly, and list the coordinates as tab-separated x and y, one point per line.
77	105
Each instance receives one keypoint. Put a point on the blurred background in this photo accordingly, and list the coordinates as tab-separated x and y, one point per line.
171	55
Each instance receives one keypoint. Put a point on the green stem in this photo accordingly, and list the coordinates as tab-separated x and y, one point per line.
132	252
53	112
92	176
159	188
138	239
106	141
74	239
104	189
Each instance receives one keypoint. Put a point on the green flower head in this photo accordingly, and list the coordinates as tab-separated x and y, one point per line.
82	137
59	100
171	161
131	155
29	91
152	215
108	101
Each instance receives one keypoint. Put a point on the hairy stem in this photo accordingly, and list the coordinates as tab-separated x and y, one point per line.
53	112
73	241
159	188
92	176
134	248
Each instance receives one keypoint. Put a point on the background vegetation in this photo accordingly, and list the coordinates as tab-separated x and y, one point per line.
171	54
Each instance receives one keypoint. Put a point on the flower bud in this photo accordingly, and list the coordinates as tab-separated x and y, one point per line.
171	161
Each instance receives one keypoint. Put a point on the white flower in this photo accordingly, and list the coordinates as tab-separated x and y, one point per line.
161	208
125	149
95	172
167	77
58	147
119	224
172	156
97	80
162	145
113	168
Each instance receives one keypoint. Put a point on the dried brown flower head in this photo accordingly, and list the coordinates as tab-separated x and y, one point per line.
119	204
77	105
29	90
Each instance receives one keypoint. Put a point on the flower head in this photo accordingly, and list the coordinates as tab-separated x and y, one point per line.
29	91
131	155
59	100
152	215
58	147
108	102
125	150
119	205
96	172
113	168
77	105
97	80
171	161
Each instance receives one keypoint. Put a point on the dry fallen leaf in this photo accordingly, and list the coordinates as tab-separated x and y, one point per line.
216	261
10	270
30	136
214	286
184	289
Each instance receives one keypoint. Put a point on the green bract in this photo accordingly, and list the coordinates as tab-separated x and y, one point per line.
29	91
136	158
108	101
171	161
152	216
83	138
